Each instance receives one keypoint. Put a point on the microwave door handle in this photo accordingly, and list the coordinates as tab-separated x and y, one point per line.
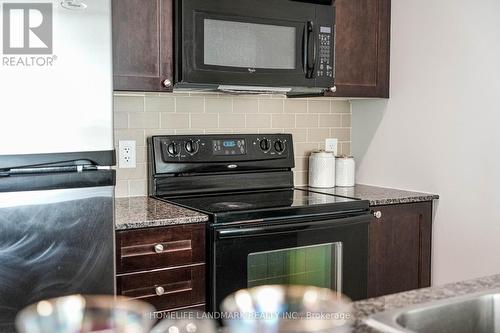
305	47
310	56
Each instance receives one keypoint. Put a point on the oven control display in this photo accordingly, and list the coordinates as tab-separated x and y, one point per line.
229	147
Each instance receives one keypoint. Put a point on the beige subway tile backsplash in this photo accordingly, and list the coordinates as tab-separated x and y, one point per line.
245	105
301	163
318	106
174	120
310	121
159	104
307	120
129	104
283	120
299	134
120	120
231	121
343	134
304	149
340	107
140	172
129	134
204	120
190	104
137	187
219	105
330	120
346	120
296	105
258	120
121	188
317	135
345	148
144	120
271	105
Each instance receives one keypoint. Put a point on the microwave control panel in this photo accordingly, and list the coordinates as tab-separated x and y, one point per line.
325	68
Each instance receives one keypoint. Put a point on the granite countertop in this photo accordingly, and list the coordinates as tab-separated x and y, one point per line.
365	308
378	195
145	212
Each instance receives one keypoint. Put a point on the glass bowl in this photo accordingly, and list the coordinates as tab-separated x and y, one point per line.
85	314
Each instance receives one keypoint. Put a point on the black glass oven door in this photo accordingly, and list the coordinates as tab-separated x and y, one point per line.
326	253
247	43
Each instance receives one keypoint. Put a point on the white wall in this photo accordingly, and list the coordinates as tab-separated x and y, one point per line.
440	130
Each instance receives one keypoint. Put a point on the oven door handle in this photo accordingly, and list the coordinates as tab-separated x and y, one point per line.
285	228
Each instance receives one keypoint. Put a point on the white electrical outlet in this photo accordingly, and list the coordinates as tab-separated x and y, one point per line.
331	144
127	154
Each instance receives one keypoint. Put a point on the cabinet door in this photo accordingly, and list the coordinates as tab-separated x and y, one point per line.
142	44
400	248
362	48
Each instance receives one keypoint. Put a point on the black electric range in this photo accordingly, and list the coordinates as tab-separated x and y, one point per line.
258	221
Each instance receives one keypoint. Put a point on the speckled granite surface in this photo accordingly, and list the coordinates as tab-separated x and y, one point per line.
378	195
363	309
145	212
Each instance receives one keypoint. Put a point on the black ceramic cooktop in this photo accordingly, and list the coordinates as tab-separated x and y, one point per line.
262	205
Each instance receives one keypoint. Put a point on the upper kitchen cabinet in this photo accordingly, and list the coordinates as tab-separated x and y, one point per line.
142	45
362	49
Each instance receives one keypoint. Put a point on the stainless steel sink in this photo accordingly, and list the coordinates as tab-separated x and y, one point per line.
474	313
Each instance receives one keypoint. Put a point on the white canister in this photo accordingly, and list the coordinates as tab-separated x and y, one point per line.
322	169
345	169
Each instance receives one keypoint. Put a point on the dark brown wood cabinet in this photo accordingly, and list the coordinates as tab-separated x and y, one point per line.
362	50
142	45
400	248
164	266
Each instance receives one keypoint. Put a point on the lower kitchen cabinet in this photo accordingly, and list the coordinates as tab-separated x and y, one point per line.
400	248
164	266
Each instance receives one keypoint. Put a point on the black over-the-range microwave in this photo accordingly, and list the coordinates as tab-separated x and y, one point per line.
259	46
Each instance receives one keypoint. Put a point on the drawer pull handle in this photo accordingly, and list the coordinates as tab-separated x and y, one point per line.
160	291
159	248
377	214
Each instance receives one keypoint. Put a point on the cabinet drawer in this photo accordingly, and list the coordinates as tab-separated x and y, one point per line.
166	289
145	249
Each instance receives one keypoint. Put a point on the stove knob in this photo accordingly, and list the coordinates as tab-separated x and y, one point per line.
265	145
173	149
191	147
279	146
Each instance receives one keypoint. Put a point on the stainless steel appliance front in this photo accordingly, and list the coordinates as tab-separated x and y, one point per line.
54	243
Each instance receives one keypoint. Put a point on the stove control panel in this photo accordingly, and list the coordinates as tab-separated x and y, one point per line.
260	150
